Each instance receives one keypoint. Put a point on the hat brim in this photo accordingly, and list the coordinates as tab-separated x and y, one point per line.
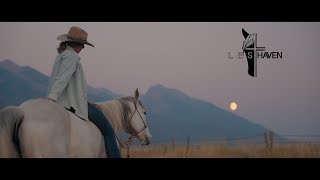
64	38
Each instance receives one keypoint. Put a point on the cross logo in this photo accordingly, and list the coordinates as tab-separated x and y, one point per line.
250	49
253	52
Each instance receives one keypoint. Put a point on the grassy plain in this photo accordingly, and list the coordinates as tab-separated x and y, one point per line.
224	151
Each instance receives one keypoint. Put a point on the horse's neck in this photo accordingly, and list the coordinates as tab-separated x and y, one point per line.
114	113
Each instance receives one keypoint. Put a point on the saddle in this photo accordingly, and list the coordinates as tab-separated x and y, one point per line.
71	109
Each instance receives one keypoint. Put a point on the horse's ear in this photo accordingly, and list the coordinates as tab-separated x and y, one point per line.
136	94
245	34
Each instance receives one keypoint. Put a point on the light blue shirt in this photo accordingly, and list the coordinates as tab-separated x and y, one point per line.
67	84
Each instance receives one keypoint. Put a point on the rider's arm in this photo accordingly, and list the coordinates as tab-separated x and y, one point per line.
68	66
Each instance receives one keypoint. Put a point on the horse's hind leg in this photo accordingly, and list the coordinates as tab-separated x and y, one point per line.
37	141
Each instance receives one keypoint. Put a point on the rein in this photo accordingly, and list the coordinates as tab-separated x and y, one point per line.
127	144
130	139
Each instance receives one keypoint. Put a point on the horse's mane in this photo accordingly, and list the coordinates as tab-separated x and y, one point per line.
117	112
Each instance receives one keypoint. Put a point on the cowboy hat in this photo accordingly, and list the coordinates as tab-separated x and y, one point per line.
75	34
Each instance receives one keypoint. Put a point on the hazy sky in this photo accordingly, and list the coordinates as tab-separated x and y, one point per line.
192	57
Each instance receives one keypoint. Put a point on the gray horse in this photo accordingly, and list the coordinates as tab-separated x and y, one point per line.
41	128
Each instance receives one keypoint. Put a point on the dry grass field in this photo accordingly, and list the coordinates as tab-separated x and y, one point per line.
224	151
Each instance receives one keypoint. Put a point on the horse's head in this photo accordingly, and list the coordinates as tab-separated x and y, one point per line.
136	119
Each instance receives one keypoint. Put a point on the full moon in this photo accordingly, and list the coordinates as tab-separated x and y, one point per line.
233	106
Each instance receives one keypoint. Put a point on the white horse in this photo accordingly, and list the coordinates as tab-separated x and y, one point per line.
42	128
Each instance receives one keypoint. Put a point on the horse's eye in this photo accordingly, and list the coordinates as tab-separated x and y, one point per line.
145	113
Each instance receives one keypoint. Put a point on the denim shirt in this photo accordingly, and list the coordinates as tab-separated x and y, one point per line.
67	83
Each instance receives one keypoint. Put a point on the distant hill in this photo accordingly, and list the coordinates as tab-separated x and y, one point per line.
170	112
180	116
20	83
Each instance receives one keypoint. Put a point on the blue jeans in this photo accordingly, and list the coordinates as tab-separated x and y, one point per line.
98	118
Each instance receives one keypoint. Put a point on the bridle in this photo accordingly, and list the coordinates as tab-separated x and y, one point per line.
130	130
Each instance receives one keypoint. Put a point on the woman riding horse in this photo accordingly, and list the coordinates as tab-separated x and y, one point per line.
68	87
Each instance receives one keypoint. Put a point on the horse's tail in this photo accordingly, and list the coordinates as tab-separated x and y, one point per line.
10	119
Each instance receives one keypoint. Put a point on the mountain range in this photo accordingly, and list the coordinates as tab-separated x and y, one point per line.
171	114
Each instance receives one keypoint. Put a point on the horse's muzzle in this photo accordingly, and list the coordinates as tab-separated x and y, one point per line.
146	141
